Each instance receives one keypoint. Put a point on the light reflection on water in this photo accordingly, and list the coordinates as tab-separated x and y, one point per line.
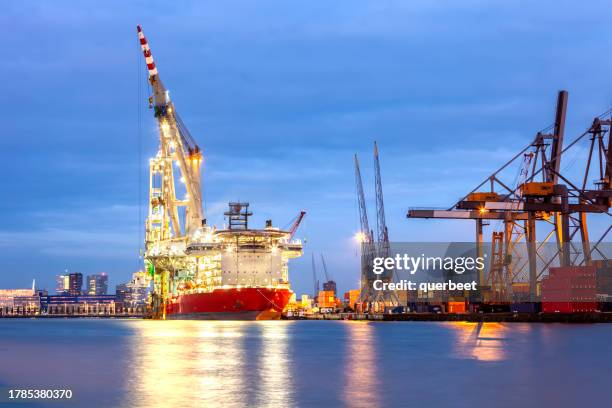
362	378
484	341
211	362
118	363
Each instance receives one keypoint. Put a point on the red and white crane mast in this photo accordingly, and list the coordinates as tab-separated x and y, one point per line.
165	220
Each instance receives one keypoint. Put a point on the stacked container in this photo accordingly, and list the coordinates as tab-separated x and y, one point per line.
570	289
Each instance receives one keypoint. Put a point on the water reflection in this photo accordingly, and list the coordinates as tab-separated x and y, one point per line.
481	341
191	363
274	367
362	378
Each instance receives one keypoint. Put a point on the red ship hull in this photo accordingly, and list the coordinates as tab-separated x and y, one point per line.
230	304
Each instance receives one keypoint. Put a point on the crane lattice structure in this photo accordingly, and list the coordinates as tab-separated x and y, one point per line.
315	280
542	196
171	220
371	247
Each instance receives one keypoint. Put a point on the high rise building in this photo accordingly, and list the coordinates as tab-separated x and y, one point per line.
62	284
97	284
75	284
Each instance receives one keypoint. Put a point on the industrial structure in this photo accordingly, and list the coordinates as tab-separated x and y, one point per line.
543	207
200	271
373	246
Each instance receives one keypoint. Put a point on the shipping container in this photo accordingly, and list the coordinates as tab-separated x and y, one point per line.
456	307
526	307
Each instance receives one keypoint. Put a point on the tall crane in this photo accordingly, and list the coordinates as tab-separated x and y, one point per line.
330	284
544	196
381	223
382	233
172	222
315	281
325	268
170	216
365	237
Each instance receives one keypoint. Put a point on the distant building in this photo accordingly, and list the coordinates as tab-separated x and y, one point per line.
7	296
62	284
21	301
84	305
97	284
329	286
75	284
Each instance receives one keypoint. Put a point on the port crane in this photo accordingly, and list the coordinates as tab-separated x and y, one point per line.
330	284
296	224
182	252
371	247
542	196
172	221
315	280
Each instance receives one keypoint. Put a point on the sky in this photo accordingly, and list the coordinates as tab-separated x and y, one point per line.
280	95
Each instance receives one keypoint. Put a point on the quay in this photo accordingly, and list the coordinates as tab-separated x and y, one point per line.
605	317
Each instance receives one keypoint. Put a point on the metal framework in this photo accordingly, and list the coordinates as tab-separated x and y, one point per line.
541	196
371	248
171	220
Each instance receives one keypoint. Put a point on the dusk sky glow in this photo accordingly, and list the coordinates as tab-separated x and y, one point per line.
280	95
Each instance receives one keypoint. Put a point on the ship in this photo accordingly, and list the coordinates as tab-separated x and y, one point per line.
238	274
199	271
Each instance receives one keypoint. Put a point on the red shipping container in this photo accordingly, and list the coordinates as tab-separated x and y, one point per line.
557	307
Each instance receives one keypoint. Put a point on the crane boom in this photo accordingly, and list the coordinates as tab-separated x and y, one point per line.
381	223
327	278
315	281
176	146
296	224
363	213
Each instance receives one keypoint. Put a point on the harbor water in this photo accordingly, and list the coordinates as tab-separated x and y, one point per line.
143	363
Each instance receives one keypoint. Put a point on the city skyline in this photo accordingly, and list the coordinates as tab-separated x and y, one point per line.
78	133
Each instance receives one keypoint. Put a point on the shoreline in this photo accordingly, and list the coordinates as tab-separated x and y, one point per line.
605	317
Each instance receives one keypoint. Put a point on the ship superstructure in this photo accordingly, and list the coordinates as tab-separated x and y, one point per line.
200	271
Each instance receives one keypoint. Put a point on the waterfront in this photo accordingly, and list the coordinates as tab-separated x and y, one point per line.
136	363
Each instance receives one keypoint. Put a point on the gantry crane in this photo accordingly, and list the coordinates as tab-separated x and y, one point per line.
542	195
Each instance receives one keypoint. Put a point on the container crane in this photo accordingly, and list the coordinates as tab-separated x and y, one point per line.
544	196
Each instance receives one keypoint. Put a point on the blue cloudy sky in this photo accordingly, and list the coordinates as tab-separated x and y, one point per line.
280	94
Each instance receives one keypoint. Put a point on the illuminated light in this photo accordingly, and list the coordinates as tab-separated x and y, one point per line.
186	196
182	179
483	210
360	237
